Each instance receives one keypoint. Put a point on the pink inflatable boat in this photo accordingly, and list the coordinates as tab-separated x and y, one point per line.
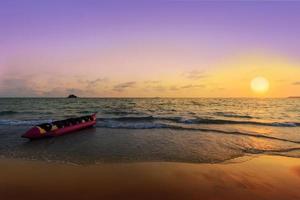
62	127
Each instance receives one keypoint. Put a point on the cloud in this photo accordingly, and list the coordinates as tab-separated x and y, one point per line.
174	88
93	83
152	82
14	87
194	75
123	86
161	88
19	92
192	86
158	88
296	83
218	89
75	91
30	86
55	92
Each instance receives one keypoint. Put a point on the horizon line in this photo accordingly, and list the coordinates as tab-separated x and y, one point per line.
60	97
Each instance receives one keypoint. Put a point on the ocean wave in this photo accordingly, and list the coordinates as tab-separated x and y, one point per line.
132	126
133	118
229	114
149	125
136	121
119	112
175	127
196	121
221	121
85	112
270	151
8	112
11	112
23	122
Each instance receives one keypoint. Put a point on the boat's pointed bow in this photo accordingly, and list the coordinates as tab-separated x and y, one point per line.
32	133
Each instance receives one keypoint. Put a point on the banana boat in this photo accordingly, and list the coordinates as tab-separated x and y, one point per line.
62	127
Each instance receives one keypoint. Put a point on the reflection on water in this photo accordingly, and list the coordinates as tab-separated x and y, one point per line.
296	170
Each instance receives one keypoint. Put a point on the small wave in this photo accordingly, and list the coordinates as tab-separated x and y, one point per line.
237	133
117	125
270	151
112	112
233	115
8	112
23	122
221	121
133	119
85	112
196	103
133	126
286	124
199	121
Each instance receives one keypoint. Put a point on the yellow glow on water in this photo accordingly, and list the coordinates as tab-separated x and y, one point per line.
259	84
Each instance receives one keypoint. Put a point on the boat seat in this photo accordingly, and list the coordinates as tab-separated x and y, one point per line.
59	124
47	126
64	123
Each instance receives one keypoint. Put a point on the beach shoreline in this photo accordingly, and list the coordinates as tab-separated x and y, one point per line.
261	177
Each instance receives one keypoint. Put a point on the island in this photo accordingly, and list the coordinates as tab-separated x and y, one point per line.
71	96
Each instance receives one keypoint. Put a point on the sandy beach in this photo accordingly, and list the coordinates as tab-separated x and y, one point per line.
262	177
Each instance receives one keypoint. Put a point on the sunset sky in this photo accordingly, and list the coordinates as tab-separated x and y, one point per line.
148	48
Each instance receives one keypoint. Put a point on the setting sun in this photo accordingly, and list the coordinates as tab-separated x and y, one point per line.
260	85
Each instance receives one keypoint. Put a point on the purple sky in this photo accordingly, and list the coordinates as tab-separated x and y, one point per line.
72	43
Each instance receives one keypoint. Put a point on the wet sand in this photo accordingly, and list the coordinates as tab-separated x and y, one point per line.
263	177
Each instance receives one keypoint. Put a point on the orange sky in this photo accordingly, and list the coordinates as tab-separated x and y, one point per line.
148	48
230	77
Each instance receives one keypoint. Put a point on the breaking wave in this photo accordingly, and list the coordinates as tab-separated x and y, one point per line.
8	112
23	122
181	120
144	122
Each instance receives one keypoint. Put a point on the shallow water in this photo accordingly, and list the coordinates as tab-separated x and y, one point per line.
184	130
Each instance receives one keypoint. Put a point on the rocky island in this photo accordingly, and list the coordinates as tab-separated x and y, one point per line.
72	96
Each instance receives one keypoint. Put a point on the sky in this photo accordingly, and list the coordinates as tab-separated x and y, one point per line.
186	48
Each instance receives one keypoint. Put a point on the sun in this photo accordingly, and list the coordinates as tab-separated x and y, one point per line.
259	84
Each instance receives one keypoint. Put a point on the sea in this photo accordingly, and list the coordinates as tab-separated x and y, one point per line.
190	130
